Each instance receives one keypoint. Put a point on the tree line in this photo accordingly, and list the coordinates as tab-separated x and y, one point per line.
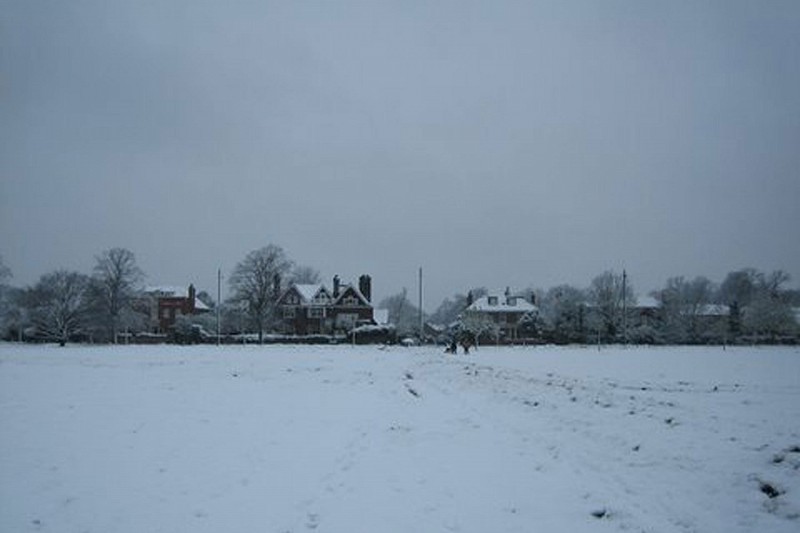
101	306
747	306
66	305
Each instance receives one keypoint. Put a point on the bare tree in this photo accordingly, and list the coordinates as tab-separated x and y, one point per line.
58	305
564	312
114	284
759	303
256	283
769	311
305	275
685	306
5	272
5	297
402	313
449	310
608	300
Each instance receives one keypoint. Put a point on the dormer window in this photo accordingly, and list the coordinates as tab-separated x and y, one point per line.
350	301
321	299
292	299
492	300
511	300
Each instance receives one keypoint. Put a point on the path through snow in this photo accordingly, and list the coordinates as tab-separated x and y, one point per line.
342	439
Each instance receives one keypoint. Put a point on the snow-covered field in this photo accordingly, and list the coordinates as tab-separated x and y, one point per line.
361	439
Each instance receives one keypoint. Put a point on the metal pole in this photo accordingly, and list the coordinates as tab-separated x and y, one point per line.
219	302
421	325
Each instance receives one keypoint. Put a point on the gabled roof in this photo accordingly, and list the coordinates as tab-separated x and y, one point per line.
714	310
310	291
200	306
521	305
343	290
174	291
307	292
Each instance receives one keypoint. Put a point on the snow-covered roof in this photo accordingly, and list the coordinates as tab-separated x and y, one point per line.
647	302
308	291
167	290
344	288
714	310
504	304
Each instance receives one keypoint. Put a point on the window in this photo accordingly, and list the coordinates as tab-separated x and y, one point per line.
321	298
350	301
292	299
288	312
512	301
492	300
165	312
316	312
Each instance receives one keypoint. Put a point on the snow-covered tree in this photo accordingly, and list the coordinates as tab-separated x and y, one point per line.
769	311
684	304
563	311
608	300
476	326
449	310
402	313
5	297
760	304
114	285
256	283
58	305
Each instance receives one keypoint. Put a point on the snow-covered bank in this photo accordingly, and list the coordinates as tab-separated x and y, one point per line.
344	439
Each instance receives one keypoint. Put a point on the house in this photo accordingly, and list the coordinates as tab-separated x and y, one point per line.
166	304
315	309
504	312
646	312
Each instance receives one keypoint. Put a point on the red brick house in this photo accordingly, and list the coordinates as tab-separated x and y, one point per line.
168	303
314	309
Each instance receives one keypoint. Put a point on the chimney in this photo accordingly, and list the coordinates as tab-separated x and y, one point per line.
190	298
276	285
365	286
335	286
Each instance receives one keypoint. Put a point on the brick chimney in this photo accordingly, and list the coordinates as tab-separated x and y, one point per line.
365	286
190	298
335	286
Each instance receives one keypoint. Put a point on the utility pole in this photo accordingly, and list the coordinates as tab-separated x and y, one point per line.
219	302
624	306
421	324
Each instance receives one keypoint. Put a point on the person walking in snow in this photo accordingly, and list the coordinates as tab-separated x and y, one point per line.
452	347
466	343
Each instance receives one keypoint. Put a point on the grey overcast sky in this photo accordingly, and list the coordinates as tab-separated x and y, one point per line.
493	143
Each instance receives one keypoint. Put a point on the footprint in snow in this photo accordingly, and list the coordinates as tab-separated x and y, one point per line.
312	521
412	392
